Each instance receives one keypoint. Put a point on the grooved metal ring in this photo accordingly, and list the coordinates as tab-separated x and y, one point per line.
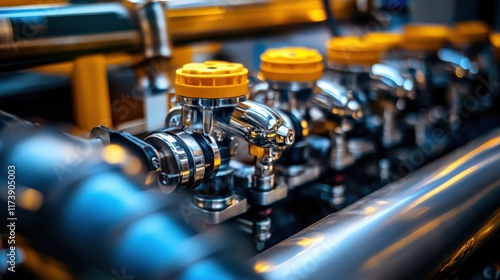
179	154
197	154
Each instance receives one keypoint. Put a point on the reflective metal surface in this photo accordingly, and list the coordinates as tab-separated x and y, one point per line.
411	229
188	21
457	63
336	100
183	161
237	206
390	80
259	125
35	35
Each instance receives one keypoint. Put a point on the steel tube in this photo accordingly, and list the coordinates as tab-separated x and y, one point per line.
33	35
419	227
36	35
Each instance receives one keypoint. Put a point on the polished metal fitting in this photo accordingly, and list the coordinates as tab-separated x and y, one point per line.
235	205
340	156
186	159
259	126
335	100
152	18
198	113
213	204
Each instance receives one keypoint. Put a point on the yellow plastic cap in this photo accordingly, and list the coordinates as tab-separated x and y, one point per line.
293	64
353	50
425	37
386	40
211	80
495	42
465	32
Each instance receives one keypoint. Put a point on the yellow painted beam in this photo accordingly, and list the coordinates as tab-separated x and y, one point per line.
91	100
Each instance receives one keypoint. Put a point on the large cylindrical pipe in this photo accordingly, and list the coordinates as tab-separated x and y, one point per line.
36	35
418	227
41	34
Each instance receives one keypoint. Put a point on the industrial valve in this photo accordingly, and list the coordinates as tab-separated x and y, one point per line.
290	82
212	102
355	63
468	67
384	88
193	152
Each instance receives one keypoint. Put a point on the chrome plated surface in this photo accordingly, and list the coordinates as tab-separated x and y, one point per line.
36	37
152	18
411	229
340	156
188	20
173	118
299	175
183	164
175	159
197	153
237	207
259	125
209	102
457	63
336	100
391	135
212	204
389	79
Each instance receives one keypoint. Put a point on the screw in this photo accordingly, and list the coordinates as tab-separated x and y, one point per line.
285	135
156	162
267	160
164	178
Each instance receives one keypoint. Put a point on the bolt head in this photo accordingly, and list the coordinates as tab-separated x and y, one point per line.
285	135
155	162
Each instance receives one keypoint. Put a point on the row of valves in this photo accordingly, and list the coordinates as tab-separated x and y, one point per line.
240	144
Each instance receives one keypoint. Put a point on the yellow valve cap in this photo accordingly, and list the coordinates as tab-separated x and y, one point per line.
474	31
425	37
292	64
353	50
495	42
211	80
386	40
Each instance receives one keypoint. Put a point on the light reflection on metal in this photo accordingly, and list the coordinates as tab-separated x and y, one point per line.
445	209
307	241
261	267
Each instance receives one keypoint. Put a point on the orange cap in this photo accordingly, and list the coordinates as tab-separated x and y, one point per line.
387	40
495	42
353	50
425	37
292	64
211	80
474	31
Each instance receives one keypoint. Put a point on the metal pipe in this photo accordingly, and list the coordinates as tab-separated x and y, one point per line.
418	227
335	99
259	126
34	35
